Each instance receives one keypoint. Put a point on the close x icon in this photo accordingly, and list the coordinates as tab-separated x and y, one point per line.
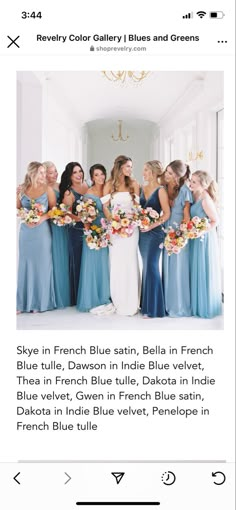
13	41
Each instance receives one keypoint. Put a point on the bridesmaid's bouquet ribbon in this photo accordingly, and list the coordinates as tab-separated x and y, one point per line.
87	210
32	215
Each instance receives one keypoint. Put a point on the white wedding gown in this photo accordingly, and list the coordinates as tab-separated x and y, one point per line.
124	265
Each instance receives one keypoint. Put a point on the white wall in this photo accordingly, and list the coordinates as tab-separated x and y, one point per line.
29	122
102	149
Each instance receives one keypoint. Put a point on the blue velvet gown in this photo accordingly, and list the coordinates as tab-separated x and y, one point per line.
176	267
60	256
205	271
35	290
75	244
94	283
152	298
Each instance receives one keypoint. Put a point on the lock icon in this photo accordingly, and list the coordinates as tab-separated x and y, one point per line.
92	48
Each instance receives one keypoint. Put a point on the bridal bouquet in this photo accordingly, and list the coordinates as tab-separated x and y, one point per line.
87	210
194	228
60	215
146	217
123	222
96	236
174	241
32	215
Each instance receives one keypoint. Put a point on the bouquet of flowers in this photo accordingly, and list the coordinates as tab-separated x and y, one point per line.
123	222
174	241
87	210
60	215
146	217
32	215
194	228
97	237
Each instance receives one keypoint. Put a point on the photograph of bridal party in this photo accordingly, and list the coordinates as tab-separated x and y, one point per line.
119	197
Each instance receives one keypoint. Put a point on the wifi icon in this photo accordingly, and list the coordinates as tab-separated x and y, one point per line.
201	14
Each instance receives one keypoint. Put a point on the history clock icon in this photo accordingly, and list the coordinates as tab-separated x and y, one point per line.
168	478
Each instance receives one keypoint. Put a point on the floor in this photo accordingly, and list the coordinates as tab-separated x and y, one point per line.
71	319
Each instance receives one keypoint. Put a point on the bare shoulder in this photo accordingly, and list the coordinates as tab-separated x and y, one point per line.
84	187
162	192
136	186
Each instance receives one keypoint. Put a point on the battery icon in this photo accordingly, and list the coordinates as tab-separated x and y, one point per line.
217	14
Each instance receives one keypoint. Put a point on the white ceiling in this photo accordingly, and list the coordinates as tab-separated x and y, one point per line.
90	95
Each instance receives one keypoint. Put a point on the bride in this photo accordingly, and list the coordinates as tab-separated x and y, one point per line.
121	190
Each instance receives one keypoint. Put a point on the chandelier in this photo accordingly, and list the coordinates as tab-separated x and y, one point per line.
120	137
126	76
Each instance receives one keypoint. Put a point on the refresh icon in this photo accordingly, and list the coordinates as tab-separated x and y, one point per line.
168	478
220	477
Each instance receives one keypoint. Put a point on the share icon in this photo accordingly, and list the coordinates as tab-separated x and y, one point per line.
118	476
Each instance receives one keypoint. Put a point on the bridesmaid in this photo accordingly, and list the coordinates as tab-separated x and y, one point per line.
94	284
204	253
155	196
60	252
35	291
176	270
72	188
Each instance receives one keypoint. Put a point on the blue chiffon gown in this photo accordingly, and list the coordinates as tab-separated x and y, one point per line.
205	271
152	298
35	290
94	284
75	244
60	256
176	267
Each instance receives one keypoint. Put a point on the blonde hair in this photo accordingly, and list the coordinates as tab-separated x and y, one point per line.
208	184
48	164
31	174
116	173
157	169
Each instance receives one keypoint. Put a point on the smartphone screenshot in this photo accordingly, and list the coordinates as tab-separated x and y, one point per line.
118	255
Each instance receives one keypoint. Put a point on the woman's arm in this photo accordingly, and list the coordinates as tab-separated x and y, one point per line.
186	212
210	210
52	202
105	205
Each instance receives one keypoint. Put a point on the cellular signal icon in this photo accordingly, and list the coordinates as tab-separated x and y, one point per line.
201	14
189	15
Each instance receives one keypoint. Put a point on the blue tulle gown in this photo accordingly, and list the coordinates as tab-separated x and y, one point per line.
176	267
75	244
152	298
60	256
205	271
35	291
94	284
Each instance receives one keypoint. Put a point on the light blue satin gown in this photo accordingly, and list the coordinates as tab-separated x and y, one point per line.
94	283
205	271
35	290
176	267
60	256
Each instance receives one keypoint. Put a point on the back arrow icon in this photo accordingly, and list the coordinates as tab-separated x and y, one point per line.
222	480
15	478
69	478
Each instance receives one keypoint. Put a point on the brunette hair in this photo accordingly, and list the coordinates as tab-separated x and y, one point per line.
97	167
66	182
182	171
208	184
31	174
116	173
